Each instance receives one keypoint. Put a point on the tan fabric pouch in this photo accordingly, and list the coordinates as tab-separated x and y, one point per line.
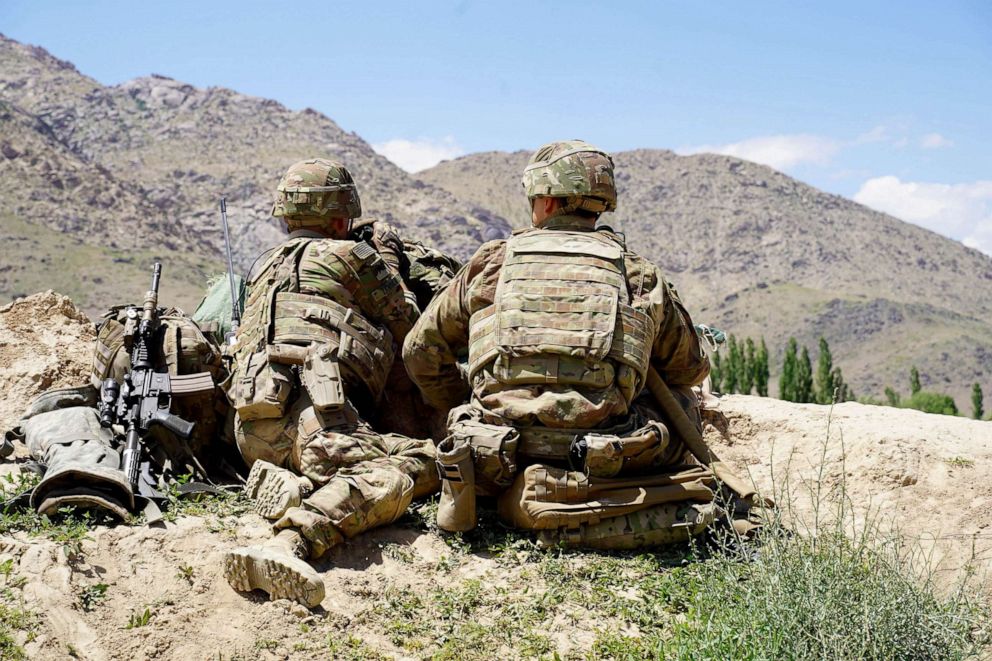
643	451
494	449
261	390
544	497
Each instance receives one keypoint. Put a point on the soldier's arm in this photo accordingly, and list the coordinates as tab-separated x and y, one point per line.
389	245
376	288
431	350
676	353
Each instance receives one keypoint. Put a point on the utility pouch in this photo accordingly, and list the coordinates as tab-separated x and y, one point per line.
495	452
262	389
643	451
321	376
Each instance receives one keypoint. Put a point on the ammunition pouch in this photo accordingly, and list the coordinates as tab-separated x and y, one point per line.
456	506
262	388
494	452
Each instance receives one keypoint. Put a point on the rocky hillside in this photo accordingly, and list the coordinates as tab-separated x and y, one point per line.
157	152
760	253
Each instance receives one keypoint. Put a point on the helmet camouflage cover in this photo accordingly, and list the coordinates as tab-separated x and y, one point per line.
572	169
316	188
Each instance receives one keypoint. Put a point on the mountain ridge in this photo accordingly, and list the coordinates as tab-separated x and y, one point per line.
142	165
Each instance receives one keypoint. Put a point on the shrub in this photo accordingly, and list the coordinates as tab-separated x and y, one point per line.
930	402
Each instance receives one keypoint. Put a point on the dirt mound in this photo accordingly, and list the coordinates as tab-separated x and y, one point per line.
927	476
45	342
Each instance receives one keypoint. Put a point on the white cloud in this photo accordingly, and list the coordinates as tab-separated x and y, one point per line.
419	154
777	151
960	211
935	141
878	134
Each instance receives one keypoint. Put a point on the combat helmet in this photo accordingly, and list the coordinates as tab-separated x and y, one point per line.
315	189
575	170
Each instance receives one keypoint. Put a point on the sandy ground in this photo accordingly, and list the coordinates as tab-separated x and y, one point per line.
927	475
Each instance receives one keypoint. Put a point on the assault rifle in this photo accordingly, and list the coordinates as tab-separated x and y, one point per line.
144	399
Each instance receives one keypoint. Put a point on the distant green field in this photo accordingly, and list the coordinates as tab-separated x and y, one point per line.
37	258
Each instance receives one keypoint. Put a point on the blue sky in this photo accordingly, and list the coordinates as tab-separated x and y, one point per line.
888	103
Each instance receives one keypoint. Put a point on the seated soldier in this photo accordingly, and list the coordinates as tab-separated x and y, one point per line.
324	315
562	324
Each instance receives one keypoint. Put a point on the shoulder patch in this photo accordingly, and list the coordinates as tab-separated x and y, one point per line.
362	250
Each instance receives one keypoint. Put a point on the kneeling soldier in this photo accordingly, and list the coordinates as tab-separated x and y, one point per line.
323	318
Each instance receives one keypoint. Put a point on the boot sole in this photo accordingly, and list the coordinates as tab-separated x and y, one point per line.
280	575
273	489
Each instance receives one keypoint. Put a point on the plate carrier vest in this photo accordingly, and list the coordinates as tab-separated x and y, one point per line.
562	316
279	321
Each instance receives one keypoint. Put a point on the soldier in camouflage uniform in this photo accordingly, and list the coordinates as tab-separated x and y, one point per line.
561	324
323	317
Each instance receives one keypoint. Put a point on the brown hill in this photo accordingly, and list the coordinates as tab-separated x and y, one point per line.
177	149
762	254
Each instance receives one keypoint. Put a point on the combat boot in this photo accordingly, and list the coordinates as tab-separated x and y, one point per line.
278	567
275	489
456	509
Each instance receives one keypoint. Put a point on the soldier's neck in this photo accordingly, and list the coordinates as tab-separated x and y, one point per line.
306	234
569	222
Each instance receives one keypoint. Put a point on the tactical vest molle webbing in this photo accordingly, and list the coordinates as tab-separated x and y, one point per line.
278	318
185	349
562	316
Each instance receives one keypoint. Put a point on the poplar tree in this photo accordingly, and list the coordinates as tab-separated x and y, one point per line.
825	385
732	372
977	408
914	380
844	392
804	378
787	383
761	370
716	372
749	369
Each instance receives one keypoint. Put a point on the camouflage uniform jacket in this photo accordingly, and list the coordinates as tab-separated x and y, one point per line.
441	337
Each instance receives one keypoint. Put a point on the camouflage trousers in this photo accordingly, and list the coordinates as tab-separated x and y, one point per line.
362	479
626	486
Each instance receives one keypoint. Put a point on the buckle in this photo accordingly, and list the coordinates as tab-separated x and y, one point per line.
450	472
